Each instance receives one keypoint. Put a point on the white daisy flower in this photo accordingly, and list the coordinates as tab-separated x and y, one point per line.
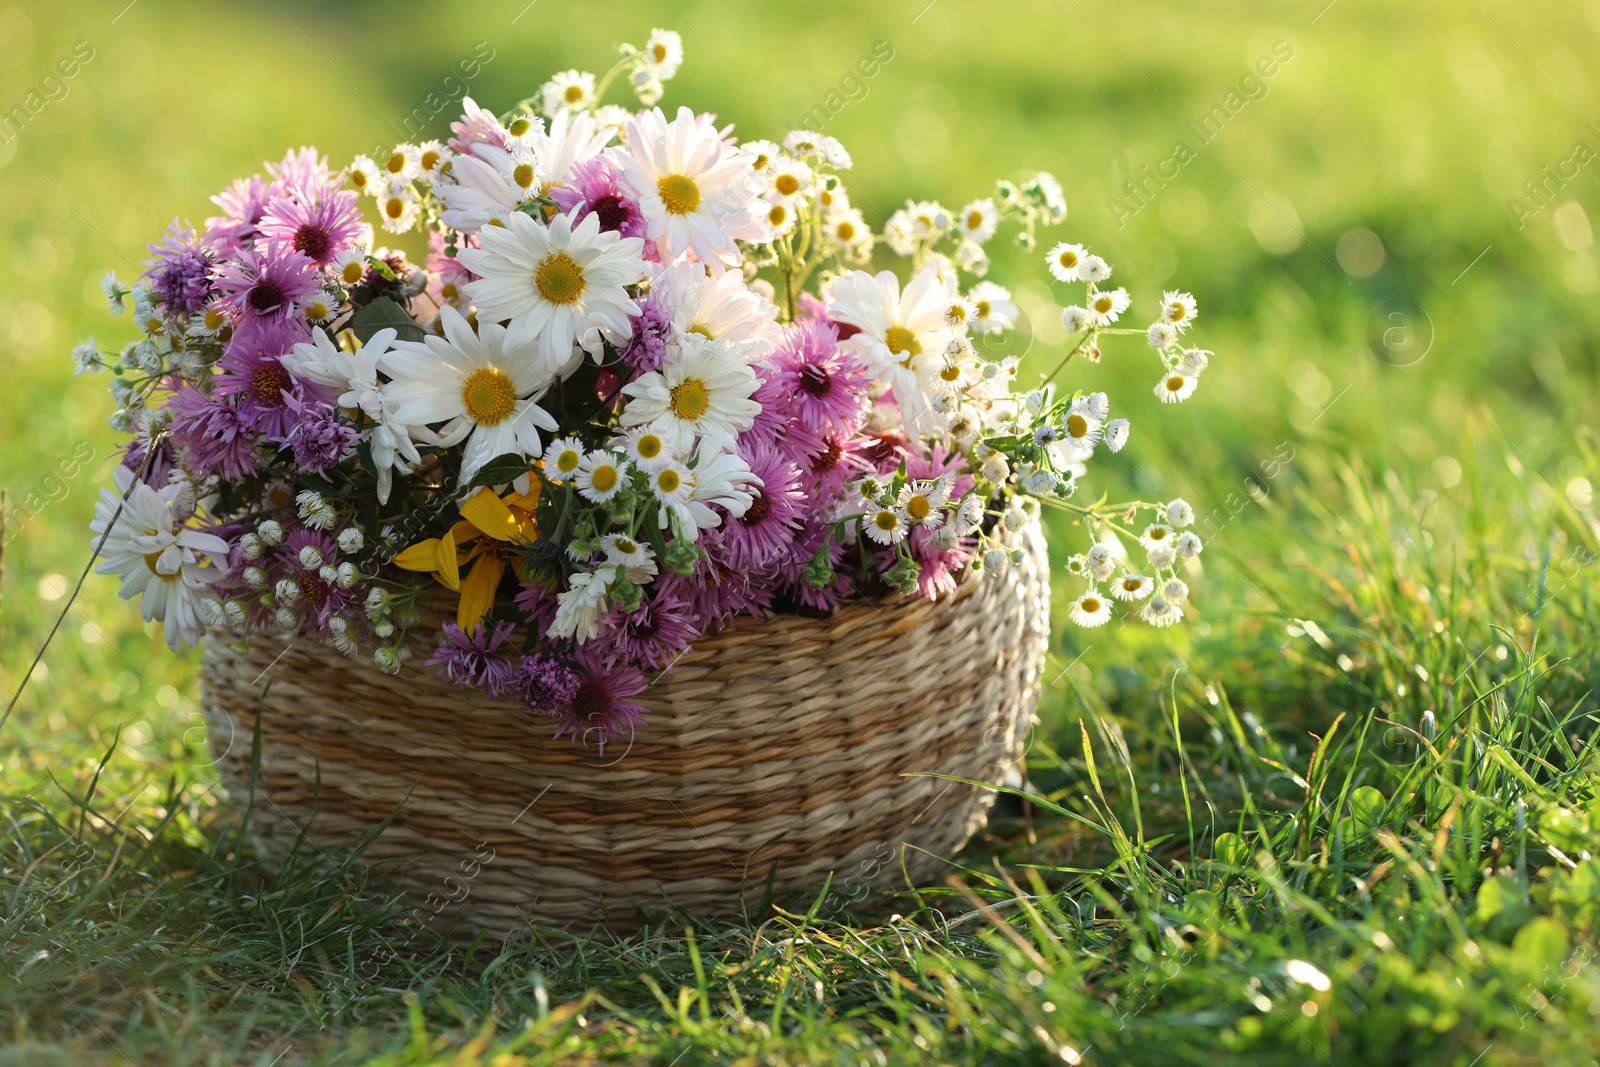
314	511
1162	556
1178	309
482	196
1105	308
350	540
321	306
1075	319
716	307
1090	610
398	207
788	179
1080	429
695	194
403	165
705	394
722	478
886	526
1194	361
522	172
1132	587
929	218
805	143
611	119
1189	544
969	516
649	447
1094	269
600	475
979	220
959	313
573	136
365	176
167	565
1161	335
1157	534
559	285
1066	262
562	458
663	53
1101	562
1160	612
579	607
1175	387
432	156
849	228
570	90
1179	513
902	334
481	388
1117	434
672	484
349	267
922	503
992	308
899	234
1175	590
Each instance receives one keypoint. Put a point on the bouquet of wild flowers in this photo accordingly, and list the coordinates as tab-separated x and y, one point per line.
637	386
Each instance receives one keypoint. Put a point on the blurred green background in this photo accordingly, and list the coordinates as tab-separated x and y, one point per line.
1368	177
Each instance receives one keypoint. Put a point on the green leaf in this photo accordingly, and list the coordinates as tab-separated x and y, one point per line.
1232	850
1541	944
1366	809
507	467
1497	894
384	314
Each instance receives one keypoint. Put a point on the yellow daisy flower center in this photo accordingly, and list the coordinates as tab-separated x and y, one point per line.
394	207
1090	604
951	373
690	399
352	273
559	279
1077	426
668	481
649	446
660	52
679	193
1131	584
918	508
523	175
846	230
358	179
787	184
567	461
396	164
625	546
1068	259
777	215
574	93
488	397
1103	304
982	309
430	159
886	520
518	127
1175	383
974	220
604	478
215	318
902	342
150	560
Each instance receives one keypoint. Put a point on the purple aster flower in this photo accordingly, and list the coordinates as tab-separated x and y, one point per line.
161	465
319	601
320	227
242	204
537	604
212	435
266	286
655	635
600	710
180	273
476	661
544	682
591	187
652	329
757	538
831	463
717	593
826	388
318	439
303	172
773	420
252	373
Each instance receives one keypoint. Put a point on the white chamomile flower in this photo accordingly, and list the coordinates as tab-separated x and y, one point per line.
559	285
1194	361
1178	309
663	53
636	559
1175	590
969	516
1101	562
902	333
1157	535
979	220
350	540
995	469
1132	587
207	322
706	394
1094	269
1090	610
1161	335
1179	513
1160	612
562	458
250	546
365	176
349	267
849	228
788	179
897	231
570	90
1075	319
673	485
648	447
310	557
600	475
781	217
922	503
1117	434
431	158
1189	544
1080	430
1107	307
1175	387
478	387
403	165
116	294
398	208
886	526
314	511
579	608
271	531
959	313
322	306
992	308
929	218
1066	262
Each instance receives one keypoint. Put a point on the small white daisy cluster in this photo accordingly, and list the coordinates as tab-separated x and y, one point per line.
1154	592
644	382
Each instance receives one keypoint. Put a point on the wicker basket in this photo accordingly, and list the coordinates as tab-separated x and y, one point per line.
776	753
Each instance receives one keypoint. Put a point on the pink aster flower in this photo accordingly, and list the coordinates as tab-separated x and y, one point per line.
319	226
242	204
600	710
759	537
478	660
212	435
826	387
253	376
544	682
303	172
592	187
180	272
655	635
266	286
477	126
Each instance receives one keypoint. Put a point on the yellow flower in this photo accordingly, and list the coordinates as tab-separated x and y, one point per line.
487	522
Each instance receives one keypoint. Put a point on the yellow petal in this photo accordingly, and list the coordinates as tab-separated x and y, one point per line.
422	556
491	516
463	532
478	589
448	573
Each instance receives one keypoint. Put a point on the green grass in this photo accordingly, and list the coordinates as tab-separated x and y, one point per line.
1371	750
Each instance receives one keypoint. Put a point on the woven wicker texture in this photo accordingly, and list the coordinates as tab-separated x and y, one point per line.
775	753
